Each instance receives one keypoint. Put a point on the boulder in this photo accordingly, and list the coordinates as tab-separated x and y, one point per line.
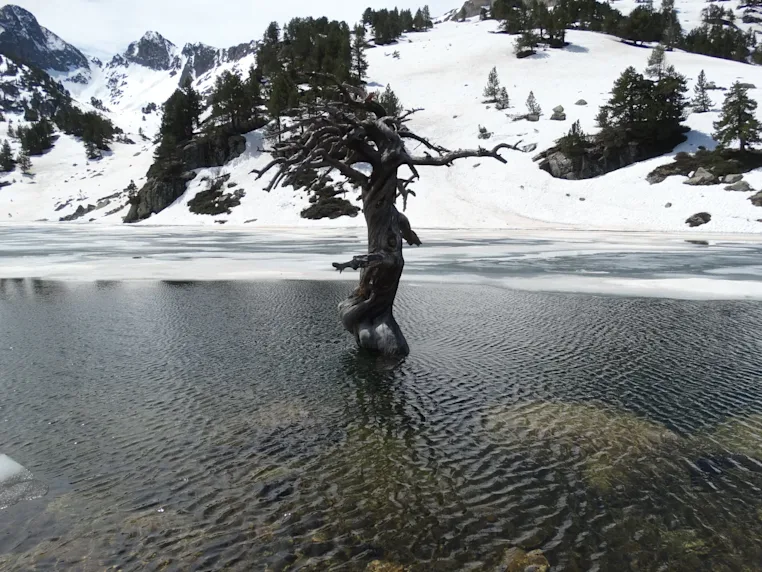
702	177
561	166
534	117
730	179
741	186
668	206
756	200
558	117
581	102
558	109
747	85
517	560
698	219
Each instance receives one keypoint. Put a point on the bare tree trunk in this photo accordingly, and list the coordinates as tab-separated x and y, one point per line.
367	313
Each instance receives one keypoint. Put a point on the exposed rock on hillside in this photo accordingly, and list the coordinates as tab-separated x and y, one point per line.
153	51
698	219
702	177
22	37
167	178
596	160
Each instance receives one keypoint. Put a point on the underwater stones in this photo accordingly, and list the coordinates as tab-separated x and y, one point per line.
517	560
379	566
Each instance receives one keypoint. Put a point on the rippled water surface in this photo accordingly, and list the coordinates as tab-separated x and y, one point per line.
232	425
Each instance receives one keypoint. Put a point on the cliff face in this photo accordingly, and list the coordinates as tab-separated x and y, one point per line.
22	38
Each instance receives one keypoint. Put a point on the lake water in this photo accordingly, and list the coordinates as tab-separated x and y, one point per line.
212	425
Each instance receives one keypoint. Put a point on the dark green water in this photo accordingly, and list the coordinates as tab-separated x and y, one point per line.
207	426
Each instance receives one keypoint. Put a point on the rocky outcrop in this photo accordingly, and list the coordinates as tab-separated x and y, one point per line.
756	200
77	214
22	38
698	219
740	186
588	165
473	8
153	51
595	159
702	177
200	59
167	178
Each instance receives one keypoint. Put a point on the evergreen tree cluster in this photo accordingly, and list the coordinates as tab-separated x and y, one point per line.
237	102
180	119
389	25
536	24
642	109
36	138
91	127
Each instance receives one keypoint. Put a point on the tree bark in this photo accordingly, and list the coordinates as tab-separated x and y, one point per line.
368	312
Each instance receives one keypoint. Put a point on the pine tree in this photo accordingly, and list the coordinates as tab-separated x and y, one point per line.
492	90
532	105
283	96
525	44
390	102
419	22
92	152
359	59
657	63
427	22
701	101
737	121
503	101
24	163
6	157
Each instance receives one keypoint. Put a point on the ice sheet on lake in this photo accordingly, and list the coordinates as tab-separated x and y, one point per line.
639	264
17	483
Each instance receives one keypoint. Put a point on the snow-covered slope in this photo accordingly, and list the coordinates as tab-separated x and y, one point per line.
443	71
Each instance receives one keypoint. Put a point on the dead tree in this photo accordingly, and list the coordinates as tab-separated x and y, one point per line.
352	135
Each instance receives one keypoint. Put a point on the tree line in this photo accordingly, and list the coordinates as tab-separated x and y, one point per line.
292	71
389	25
717	36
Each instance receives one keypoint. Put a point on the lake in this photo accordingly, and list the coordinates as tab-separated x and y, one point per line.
210	425
174	424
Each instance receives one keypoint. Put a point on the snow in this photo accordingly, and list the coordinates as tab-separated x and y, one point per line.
444	71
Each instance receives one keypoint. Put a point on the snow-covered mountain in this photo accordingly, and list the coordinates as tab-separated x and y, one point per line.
443	71
23	37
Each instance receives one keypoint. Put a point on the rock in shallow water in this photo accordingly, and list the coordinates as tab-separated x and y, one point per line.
517	560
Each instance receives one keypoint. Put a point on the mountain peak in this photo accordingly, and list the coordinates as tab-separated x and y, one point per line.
153	51
22	37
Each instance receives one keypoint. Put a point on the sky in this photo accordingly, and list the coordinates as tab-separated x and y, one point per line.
102	27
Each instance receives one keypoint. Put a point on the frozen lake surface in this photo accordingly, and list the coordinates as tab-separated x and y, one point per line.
684	266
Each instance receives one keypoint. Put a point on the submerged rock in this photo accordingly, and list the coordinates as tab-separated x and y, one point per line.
517	560
379	566
698	219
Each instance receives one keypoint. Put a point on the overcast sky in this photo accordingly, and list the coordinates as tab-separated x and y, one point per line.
107	26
